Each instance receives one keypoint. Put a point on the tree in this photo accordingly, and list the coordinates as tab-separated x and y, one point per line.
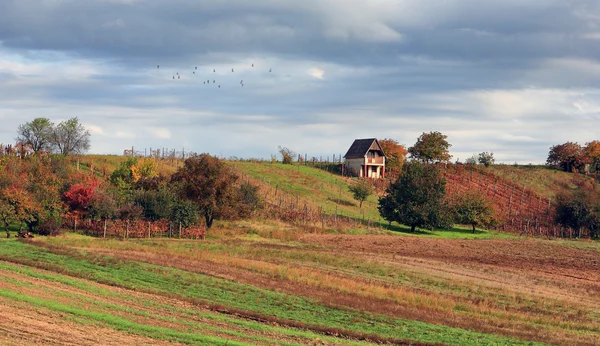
361	190
472	160
568	156
580	211
592	152
250	198
416	199
7	214
211	185
70	137
157	204
103	206
184	213
37	134
287	154
431	147
395	154
473	208
486	159
19	205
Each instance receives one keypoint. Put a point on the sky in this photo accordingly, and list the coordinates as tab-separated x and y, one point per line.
511	77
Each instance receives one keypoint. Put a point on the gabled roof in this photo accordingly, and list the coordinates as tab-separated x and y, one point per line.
360	147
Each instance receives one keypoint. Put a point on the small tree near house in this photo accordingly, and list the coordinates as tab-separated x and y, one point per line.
361	190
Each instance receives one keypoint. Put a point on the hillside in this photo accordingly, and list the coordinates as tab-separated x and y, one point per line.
306	271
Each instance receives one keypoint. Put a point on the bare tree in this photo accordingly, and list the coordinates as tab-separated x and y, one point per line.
70	137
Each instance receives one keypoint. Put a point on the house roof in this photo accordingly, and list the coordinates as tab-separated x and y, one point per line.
360	147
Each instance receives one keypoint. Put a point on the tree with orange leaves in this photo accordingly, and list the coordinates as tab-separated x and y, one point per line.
592	152
568	156
395	153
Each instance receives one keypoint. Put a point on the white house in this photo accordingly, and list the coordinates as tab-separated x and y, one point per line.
365	158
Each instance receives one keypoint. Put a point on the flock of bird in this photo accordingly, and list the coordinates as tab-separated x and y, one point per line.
178	76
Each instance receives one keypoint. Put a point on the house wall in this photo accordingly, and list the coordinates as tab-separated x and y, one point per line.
357	166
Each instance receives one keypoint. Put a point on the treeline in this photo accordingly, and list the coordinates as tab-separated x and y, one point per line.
44	194
41	136
572	157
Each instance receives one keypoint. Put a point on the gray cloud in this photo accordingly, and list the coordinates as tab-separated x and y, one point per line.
502	76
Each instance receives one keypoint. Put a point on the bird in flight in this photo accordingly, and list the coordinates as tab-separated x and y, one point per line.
157	66
253	65
219	86
231	70
173	77
178	77
214	70
242	81
196	67
194	72
269	70
214	81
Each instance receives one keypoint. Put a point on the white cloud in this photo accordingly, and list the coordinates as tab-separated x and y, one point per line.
94	129
316	73
160	133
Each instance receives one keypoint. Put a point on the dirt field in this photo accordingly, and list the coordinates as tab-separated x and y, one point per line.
523	265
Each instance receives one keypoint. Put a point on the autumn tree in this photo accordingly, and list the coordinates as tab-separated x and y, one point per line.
37	134
569	157
44	186
70	137
431	147
473	208
416	199
395	153
136	172
19	205
592	152
212	186
361	190
79	198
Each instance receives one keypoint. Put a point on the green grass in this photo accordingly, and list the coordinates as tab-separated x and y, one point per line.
545	181
77	301
175	282
457	232
316	187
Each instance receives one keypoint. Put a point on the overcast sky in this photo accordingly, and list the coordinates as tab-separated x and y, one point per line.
511	77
